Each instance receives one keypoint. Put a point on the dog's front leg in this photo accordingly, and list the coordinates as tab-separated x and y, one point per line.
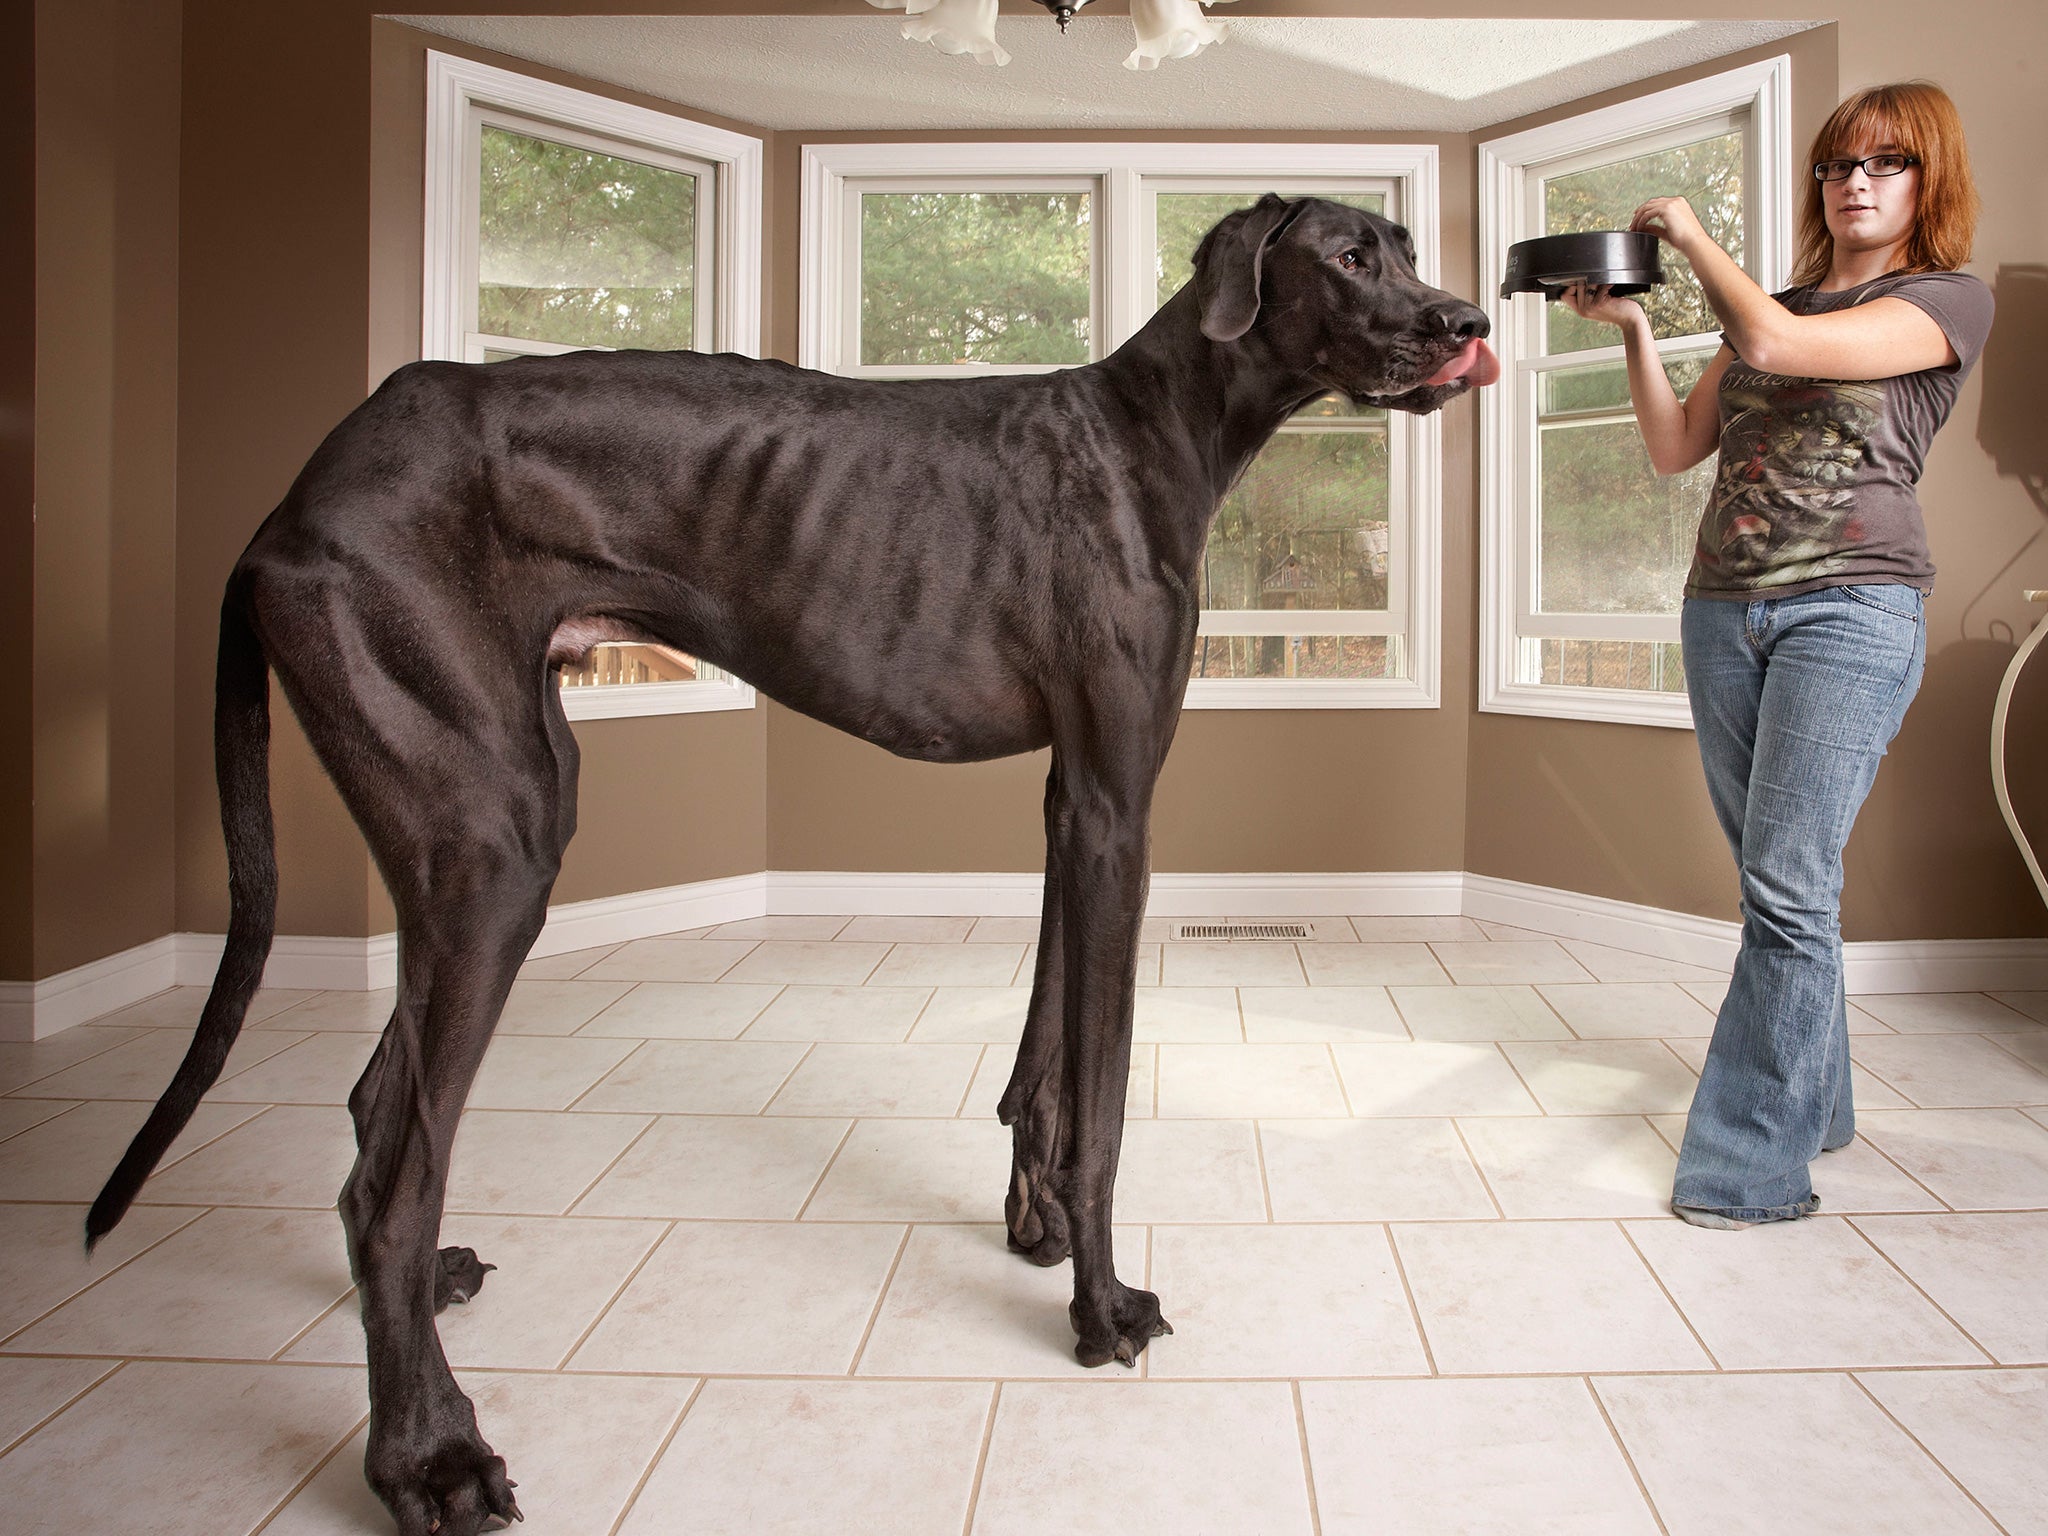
1031	1104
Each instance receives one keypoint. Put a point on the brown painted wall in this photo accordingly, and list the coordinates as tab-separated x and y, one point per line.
106	408
18	94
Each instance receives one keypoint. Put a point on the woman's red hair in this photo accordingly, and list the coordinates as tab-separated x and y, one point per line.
1916	118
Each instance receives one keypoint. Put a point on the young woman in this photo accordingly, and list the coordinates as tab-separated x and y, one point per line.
1803	627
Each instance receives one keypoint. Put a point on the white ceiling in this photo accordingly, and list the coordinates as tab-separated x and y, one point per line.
855	71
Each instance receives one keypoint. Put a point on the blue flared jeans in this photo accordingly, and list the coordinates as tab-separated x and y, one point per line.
1794	700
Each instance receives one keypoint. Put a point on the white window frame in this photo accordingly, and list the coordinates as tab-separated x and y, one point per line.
1124	176
1510	168
462	95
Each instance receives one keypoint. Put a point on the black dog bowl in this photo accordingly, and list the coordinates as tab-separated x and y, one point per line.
1626	262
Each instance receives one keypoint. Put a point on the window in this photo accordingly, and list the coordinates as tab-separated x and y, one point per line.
1585	548
559	221
934	260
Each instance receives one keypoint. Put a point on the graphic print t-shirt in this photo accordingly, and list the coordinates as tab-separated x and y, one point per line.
1815	485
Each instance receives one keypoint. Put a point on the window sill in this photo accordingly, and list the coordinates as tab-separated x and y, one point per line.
1612	705
1307	693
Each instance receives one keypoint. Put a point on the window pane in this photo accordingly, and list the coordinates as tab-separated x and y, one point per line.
584	249
1708	174
1649	665
1315	656
1613	536
611	665
1307	527
975	277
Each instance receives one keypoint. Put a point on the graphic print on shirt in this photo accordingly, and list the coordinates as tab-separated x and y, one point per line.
1783	509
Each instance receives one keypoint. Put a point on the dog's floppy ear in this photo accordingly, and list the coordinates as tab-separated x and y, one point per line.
1229	260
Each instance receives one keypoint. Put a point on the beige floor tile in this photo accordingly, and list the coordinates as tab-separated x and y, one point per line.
1629	1010
718	1167
575	1445
730	1297
1370	1170
672	960
70	1156
358	1012
290	1155
1187	1013
1431	1077
1586	1165
178	1449
1298	1301
18	1115
33	1390
1943	1013
1197	963
43	1261
885	929
696	1077
1975	1159
1859	1178
1005	930
235	1285
1603	1077
1987	1427
783	927
142	1069
843	1080
1539	1298
1429	1458
682	1010
1374	965
1217	1082
1850	1471
1503	961
1478	1013
1710	994
2031	1047
539	1006
874	1014
972	1015
319	1069
962	1305
1211	1456
1951	1071
2033	1004
542	1072
516	1162
563	967
948	965
554	1277
810	962
1798	1294
1508	933
1189	1170
992	1077
1417	930
180	1008
24	1063
916	1170
1625	965
1983	1269
824	1457
1298	1015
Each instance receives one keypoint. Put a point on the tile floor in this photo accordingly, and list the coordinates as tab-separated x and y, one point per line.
1401	1187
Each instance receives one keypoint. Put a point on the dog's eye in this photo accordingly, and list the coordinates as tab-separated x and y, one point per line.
1352	261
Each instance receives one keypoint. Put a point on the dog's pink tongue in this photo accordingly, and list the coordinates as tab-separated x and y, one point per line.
1474	362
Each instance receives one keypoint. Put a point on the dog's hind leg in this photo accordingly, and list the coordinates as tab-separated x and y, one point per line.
1031	1103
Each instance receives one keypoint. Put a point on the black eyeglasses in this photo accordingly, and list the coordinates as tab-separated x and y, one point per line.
1871	165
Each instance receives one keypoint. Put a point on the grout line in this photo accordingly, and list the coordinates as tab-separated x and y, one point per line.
1925	1450
1244	1034
1644	1260
988	1431
1145	1355
53	1414
605	1172
668	1228
606	1075
973	1077
923	1008
1912	1177
1407	1290
1479	1168
1883	1082
1651	1122
66	1301
825	1172
50	1119
1501	1050
660	1452
1628	1458
1265	1187
1921	1290
792	1072
1555	1011
1343	1088
1158	1067
881	1296
351	1294
1665	1041
1300	964
1308	1474
307	1481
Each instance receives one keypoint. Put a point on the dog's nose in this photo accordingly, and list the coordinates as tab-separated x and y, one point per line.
1466	321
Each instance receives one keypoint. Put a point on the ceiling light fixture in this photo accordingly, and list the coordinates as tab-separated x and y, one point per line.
1167	29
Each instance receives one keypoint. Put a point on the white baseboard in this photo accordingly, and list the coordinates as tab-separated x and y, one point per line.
36	1010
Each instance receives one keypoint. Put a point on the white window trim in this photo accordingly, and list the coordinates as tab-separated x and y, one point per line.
1764	90
455	86
1126	299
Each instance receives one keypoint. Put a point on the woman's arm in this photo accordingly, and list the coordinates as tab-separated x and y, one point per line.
1678	433
1866	341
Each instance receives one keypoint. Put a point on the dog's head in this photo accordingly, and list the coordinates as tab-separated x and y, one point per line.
1331	291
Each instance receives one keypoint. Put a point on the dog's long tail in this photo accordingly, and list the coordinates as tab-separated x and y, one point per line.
241	757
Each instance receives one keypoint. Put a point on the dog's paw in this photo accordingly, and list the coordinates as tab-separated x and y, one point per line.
459	1276
456	1489
1133	1322
1037	1222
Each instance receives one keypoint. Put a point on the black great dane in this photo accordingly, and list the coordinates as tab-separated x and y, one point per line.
954	570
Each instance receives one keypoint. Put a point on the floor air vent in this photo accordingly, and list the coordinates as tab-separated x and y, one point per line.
1241	931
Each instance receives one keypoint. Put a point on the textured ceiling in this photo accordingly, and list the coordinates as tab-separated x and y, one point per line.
855	71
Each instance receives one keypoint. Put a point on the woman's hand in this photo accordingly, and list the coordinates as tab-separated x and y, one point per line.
1671	220
1596	301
